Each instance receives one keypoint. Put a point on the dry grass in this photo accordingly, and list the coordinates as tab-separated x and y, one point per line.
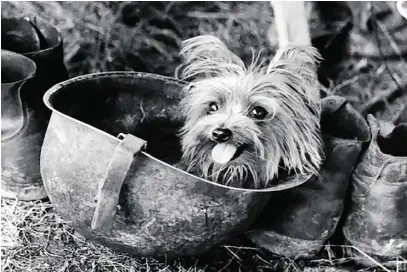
106	36
35	238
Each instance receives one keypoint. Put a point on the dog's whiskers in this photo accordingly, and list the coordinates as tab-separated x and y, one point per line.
222	94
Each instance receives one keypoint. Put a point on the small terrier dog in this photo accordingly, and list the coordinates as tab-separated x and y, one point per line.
246	126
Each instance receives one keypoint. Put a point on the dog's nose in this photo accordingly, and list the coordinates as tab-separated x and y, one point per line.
221	134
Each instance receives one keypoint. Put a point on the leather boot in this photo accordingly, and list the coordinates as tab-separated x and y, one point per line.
297	222
376	222
20	160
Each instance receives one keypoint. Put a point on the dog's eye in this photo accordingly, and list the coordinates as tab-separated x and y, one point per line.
258	113
212	107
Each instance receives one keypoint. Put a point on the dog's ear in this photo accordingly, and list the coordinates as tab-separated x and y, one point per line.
298	63
302	60
207	56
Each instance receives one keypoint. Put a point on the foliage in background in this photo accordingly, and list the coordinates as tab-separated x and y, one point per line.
145	36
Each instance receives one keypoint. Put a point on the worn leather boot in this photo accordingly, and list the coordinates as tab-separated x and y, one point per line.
20	160
376	222
297	222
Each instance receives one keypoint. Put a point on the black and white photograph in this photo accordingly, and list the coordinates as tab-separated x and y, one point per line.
203	136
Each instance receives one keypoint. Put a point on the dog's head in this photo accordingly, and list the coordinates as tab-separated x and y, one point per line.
245	124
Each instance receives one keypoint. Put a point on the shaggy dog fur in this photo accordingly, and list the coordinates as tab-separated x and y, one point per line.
265	113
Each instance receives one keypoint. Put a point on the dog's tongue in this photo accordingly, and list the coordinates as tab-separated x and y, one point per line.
222	153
